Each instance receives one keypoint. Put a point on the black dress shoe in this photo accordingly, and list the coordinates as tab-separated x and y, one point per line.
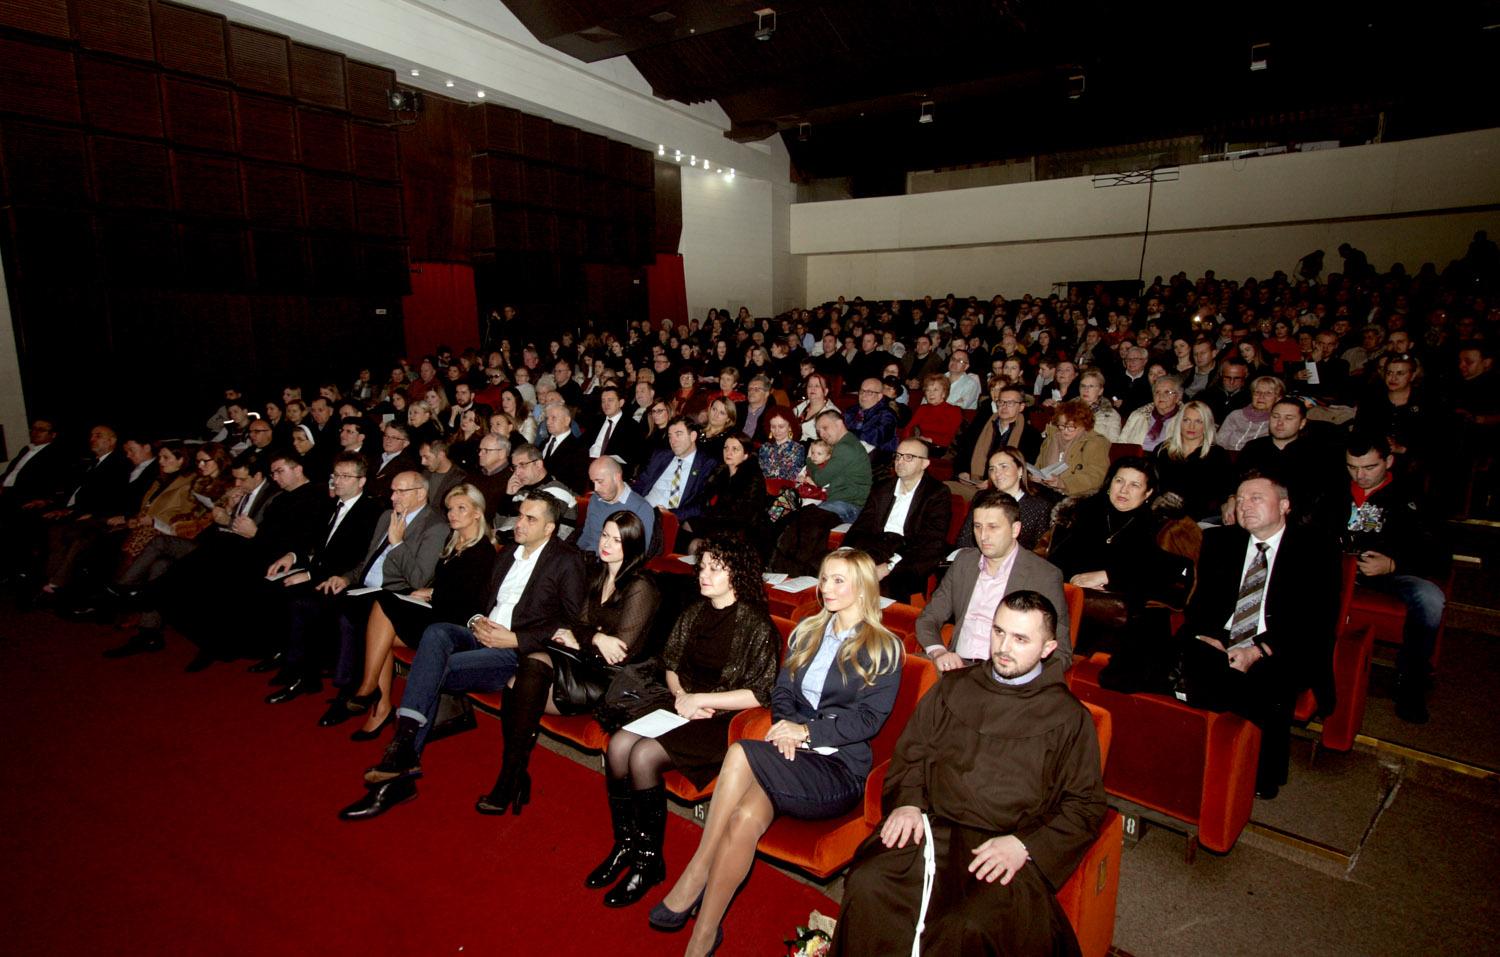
300	686
201	661
266	664
336	714
360	734
379	799
1268	792
284	676
139	643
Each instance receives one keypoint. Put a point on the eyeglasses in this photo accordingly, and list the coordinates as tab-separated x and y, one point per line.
347	475
522	463
909	457
869	391
1011	402
484	449
399	491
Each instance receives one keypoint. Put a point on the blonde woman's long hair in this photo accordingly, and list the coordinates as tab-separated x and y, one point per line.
1173	442
486	534
872	642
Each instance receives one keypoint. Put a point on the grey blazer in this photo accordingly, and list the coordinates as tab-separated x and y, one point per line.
951	600
413	563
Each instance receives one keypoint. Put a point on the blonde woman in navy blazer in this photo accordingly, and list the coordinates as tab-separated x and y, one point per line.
855	663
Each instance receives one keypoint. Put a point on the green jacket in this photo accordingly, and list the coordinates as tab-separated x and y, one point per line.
846	474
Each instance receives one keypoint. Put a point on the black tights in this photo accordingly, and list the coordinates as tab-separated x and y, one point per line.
642	761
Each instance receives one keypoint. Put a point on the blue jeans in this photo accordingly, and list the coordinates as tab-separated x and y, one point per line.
1424	602
846	511
450	658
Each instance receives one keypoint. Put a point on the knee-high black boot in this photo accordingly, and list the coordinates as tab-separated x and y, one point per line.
622	819
647	867
520	713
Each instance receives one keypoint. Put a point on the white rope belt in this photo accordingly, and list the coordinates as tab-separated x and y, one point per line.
929	874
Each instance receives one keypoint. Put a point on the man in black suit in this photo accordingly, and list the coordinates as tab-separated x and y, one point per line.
676	478
216	600
396	456
109	488
565	384
330	554
539	585
1261	622
35	470
1229	392
979	579
1131	389
617	433
904	523
565	454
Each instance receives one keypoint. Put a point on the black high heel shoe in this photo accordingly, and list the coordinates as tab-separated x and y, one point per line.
498	801
669	921
360	734
360	703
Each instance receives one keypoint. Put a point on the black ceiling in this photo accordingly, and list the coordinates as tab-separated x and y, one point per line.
998	72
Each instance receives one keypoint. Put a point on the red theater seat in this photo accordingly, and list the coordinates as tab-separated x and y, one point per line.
1352	652
1118	450
1192	765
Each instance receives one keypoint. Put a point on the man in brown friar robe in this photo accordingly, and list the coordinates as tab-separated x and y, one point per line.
996	778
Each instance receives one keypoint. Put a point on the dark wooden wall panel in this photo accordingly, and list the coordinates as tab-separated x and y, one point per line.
668	196
273	195
38	81
333	263
43	165
280	260
564	146
131	173
121	27
135	252
330	202
378	210
207	185
191	41
259	60
267	128
318	77
369	89
496	128
384	269
49	248
120	98
484	227
437	174
213	256
536	185
324	139
536	138
198	114
47	17
376	152
593	153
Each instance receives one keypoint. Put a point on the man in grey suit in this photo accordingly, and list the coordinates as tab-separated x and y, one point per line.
979	579
403	556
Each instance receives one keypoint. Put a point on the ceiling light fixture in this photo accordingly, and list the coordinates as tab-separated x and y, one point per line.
925	113
416	72
1076	83
804	132
765	23
480	94
448	84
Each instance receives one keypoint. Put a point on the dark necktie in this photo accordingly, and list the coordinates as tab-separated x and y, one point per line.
334	521
1246	621
609	430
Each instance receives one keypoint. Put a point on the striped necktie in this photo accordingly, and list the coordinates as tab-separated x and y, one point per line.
1246	622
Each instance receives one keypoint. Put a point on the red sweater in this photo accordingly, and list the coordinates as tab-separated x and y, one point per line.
939	423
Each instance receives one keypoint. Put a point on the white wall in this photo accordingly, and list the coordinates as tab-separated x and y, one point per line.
12	402
1411	202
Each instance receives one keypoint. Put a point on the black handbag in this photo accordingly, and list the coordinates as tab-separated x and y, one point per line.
637	689
579	679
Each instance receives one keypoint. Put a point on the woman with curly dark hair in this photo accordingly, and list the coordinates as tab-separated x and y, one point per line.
719	659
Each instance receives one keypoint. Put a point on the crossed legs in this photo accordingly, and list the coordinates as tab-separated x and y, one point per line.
380	664
738	814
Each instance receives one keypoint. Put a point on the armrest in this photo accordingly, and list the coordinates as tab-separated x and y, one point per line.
750	725
1233	747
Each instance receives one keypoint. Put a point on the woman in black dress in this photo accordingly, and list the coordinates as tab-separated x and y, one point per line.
737	493
719	659
570	679
1195	472
459	586
1007	472
835	690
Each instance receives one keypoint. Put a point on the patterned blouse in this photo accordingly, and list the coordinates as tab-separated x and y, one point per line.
782	461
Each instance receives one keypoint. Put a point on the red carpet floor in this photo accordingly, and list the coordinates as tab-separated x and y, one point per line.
147	811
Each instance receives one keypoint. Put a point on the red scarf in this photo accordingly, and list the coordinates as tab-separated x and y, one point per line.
1362	495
